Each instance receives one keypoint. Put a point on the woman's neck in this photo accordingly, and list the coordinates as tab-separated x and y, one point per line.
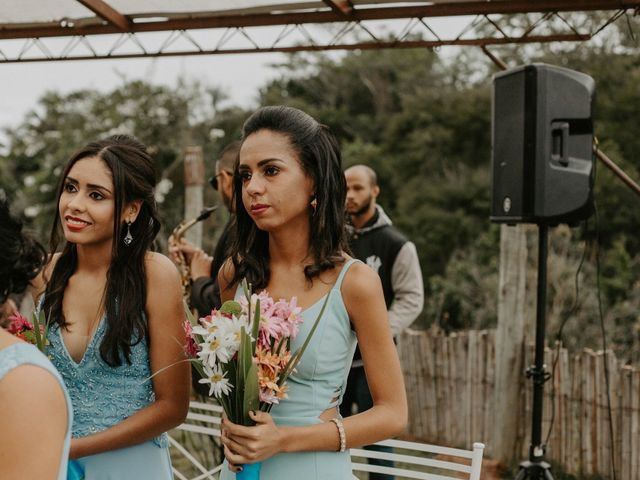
94	258
290	245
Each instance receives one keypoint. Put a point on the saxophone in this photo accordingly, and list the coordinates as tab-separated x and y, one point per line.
181	261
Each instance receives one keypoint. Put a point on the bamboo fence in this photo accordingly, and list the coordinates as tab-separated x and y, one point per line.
450	387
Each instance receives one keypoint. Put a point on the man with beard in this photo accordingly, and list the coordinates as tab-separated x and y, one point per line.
375	241
205	291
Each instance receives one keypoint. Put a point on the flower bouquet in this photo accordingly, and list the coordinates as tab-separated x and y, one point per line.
243	352
37	333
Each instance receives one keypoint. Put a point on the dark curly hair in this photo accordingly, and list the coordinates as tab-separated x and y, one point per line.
320	158
21	257
134	178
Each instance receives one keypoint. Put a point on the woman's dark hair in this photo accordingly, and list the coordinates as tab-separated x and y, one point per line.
124	298
21	257
321	160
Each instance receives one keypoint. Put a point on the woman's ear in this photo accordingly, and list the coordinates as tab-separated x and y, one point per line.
131	211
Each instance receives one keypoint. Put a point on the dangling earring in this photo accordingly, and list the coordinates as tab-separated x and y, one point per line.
128	238
314	205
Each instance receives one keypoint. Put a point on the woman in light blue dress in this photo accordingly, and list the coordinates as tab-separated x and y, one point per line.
290	194
116	314
35	410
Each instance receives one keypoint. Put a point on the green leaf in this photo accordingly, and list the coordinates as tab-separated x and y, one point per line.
251	393
189	314
36	330
231	307
255	328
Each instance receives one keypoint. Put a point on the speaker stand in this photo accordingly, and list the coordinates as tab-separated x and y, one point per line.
536	468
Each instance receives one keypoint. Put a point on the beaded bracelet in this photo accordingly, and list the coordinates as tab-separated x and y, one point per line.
343	436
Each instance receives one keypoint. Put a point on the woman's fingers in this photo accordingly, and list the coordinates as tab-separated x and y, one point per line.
235	460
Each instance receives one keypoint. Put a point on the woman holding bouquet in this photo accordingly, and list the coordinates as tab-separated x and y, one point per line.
35	411
289	194
115	311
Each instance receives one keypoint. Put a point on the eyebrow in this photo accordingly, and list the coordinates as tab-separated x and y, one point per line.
92	186
261	163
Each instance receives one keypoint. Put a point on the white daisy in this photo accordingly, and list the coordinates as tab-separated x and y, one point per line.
216	378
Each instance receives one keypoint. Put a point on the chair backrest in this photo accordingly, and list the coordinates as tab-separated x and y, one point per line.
411	459
421	461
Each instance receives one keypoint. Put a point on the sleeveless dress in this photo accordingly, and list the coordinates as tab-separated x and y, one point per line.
103	396
318	384
18	354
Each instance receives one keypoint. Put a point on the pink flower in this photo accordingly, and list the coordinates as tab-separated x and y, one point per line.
191	347
18	325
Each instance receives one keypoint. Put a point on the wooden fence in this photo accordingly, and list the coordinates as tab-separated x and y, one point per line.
450	386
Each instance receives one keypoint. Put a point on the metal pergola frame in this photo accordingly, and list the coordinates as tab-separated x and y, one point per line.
346	25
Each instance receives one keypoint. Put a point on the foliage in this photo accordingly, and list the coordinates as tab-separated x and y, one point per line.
422	121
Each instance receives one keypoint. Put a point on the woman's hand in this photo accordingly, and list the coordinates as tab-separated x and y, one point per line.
251	444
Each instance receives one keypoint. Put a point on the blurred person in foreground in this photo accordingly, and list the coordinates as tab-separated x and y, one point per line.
35	410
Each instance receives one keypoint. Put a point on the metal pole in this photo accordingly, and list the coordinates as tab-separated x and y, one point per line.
536	451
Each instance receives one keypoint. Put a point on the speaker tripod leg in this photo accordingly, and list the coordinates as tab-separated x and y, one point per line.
534	470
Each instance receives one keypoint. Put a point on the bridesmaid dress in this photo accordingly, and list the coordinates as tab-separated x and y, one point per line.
317	385
103	396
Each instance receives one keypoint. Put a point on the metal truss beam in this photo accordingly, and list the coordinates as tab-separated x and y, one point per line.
480	42
331	16
107	13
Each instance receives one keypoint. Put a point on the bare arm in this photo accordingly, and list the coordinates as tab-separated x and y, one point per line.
33	415
172	385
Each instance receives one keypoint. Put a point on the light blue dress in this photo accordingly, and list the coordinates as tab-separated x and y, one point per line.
18	354
103	396
317	385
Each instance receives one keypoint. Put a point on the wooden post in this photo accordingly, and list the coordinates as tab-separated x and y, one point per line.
509	341
193	191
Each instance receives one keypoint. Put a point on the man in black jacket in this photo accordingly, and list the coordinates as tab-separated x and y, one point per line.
374	240
205	291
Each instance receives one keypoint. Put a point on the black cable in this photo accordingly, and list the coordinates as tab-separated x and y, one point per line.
604	336
558	337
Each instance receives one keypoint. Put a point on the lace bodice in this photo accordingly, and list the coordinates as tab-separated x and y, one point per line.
102	395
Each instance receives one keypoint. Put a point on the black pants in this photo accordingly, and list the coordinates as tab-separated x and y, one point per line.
357	393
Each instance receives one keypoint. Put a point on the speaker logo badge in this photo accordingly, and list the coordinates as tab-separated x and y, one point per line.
506	204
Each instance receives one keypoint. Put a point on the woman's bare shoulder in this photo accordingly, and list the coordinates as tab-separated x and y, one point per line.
360	282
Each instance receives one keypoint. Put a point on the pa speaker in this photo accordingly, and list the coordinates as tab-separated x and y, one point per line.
542	154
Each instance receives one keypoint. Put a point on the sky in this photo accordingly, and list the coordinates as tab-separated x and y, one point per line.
239	75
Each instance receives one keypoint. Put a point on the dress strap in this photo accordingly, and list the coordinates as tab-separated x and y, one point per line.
343	272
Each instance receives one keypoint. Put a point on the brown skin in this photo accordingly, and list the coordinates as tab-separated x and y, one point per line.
273	178
83	307
32	406
361	195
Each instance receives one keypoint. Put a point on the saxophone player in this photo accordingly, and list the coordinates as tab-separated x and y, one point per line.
205	292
